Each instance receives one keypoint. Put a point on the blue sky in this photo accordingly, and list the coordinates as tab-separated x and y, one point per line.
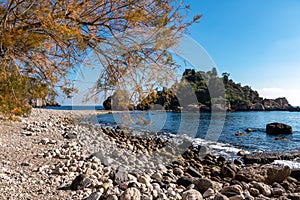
256	41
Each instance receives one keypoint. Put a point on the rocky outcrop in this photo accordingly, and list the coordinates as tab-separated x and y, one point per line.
277	104
268	158
267	174
118	101
278	128
280	104
257	107
42	102
107	103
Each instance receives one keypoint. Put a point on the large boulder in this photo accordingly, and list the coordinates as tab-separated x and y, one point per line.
278	128
266	174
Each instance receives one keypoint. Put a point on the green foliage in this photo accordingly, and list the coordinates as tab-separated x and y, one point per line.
208	88
16	90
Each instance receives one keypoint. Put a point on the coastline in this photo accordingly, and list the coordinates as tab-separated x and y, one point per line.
44	154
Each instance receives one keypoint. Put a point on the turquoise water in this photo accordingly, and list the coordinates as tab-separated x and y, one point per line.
217	127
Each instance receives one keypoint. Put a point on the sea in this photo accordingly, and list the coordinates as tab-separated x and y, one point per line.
216	130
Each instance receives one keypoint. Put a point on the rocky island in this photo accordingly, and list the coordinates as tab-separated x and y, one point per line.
230	96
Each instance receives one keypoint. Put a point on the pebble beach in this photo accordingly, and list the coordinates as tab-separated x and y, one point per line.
55	154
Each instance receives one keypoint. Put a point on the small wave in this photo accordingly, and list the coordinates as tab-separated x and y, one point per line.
291	164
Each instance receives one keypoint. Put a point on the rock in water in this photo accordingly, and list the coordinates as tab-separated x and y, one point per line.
239	133
278	128
80	182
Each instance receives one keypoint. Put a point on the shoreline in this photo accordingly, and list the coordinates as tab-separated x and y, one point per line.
57	154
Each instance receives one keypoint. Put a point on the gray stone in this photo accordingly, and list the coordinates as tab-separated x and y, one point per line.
234	189
204	184
254	192
191	195
208	193
111	197
80	182
94	196
263	188
220	197
277	191
131	194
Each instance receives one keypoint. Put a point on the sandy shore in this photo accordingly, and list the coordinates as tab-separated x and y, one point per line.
57	154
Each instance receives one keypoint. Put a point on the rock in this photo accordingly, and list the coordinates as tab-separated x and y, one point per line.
239	133
107	103
193	172
111	197
94	196
249	130
233	189
254	192
80	182
157	176
266	174
191	195
257	107
237	197
237	162
277	174
120	177
278	128
263	188
281	138
294	196
295	173
242	153
277	104
263	158
227	171
70	136
208	193
220	197
45	141
277	191
204	184
145	179
131	194
184	181
99	155
178	172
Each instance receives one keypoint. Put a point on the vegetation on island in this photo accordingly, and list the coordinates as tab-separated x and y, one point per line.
45	41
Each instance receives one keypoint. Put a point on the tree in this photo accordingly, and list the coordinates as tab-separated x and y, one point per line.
225	77
47	40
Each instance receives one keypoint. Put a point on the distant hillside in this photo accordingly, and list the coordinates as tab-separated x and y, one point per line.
198	89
